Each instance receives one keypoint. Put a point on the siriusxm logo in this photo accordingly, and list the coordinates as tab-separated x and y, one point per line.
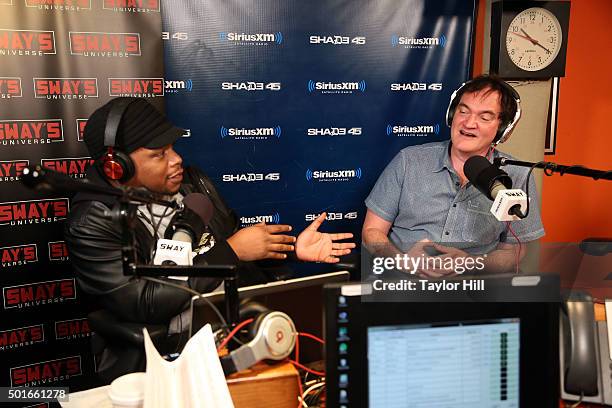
336	175
418	42
252	39
337	40
256	219
333	216
251	177
336	87
416	86
250	86
251	133
413	131
176	86
334	131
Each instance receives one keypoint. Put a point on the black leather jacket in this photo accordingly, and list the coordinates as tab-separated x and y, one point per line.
94	244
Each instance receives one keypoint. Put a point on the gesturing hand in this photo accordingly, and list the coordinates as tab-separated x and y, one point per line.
261	241
313	245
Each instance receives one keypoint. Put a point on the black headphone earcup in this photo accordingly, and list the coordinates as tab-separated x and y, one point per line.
127	164
118	166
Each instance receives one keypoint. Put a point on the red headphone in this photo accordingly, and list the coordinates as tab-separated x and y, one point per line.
116	164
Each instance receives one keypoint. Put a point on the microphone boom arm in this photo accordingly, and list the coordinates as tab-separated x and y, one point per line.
550	168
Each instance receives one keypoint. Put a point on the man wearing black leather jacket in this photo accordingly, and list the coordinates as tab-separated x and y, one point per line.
144	138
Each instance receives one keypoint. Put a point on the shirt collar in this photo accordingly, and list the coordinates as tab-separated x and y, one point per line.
443	159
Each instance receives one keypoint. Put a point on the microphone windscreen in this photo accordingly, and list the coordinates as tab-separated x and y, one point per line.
199	204
483	175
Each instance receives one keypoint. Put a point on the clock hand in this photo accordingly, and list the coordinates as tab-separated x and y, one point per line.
534	41
522	36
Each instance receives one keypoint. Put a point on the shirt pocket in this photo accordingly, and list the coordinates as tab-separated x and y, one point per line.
480	226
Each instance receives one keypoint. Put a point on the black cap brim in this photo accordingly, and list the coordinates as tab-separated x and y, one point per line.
167	138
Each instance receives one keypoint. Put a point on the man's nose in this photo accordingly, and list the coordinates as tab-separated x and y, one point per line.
175	158
471	121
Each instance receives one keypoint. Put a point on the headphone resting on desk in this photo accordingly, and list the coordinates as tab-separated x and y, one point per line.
271	336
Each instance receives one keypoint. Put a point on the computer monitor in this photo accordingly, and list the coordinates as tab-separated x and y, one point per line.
425	354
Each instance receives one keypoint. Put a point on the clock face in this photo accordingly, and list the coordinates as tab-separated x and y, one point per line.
533	39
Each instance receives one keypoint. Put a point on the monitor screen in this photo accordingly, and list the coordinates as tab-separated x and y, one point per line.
472	363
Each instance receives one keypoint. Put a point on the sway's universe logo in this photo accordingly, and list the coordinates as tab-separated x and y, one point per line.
22	336
72	329
136	87
59	5
251	177
256	219
251	39
33	211
10	87
80	123
336	87
11	170
418	42
28	132
27	42
132	6
100	44
336	40
334	131
413	131
177	86
18	255
75	167
39	293
65	88
46	372
333	175
250	133
416	86
58	251
333	216
250	86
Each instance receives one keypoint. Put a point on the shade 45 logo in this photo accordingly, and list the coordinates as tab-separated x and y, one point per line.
136	87
256	219
251	133
252	39
250	86
39	293
336	87
46	372
18	255
22	336
65	88
12	170
413	131
333	216
34	211
27	42
418	42
251	177
99	44
131	6
334	131
75	167
58	251
80	124
31	132
416	86
333	175
10	87
336	40
60	5
72	329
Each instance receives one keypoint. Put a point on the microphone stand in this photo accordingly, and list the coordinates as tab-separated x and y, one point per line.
550	168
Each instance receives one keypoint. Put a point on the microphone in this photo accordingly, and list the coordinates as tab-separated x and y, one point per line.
508	204
185	230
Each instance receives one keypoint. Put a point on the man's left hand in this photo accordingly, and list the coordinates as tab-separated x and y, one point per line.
316	246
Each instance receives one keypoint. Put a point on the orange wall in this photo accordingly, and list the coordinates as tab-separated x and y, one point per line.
573	207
